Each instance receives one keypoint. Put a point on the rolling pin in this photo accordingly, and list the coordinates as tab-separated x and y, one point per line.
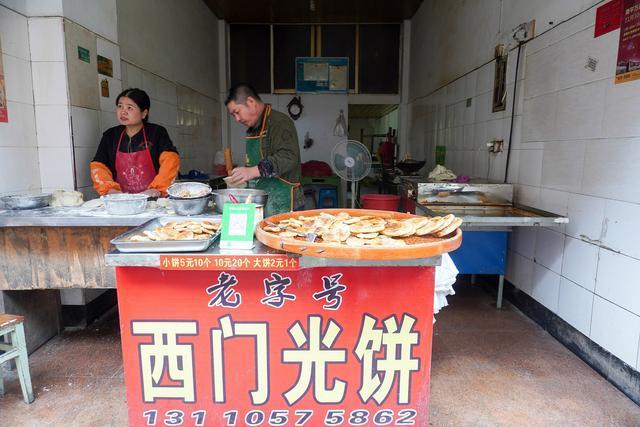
228	162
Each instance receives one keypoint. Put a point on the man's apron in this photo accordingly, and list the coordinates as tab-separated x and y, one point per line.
134	171
280	191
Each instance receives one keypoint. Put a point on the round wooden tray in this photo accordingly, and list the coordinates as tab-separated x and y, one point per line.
418	247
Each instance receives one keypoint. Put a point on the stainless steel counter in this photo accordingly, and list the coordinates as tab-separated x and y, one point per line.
75	217
474	217
121	259
480	205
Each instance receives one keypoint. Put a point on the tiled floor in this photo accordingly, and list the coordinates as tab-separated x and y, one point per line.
489	368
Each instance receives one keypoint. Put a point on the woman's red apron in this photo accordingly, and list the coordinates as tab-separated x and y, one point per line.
134	171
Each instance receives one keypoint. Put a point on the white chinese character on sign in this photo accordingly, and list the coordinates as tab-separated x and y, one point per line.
313	361
397	360
229	329
167	361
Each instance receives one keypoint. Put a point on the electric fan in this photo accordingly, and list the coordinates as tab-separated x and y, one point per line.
351	161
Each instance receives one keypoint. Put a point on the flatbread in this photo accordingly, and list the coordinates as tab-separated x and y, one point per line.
358	231
434	224
450	228
368	226
399	229
446	221
367	235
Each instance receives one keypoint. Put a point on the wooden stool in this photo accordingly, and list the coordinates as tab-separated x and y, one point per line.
12	325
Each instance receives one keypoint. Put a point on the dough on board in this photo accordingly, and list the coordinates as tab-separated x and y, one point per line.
66	198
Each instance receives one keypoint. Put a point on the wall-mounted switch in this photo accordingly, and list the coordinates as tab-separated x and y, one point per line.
496	146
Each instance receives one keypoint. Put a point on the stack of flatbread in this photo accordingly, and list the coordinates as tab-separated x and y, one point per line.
183	230
365	230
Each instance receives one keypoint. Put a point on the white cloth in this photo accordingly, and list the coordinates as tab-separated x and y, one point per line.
440	173
446	274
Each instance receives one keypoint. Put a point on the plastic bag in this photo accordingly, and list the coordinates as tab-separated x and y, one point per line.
340	129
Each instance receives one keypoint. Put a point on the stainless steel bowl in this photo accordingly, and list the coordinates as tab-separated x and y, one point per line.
124	203
193	206
220	197
26	201
188	190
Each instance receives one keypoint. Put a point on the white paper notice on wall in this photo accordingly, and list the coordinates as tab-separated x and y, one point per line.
4	114
316	72
338	77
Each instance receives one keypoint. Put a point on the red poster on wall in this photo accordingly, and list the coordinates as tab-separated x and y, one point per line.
315	347
608	17
4	114
628	64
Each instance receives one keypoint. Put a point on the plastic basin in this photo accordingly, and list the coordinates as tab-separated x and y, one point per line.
382	202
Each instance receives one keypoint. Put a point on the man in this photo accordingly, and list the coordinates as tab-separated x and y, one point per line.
272	150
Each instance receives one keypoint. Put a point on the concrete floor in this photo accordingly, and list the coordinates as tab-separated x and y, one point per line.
489	368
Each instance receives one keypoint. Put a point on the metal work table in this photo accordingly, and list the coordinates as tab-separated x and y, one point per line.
60	248
74	217
488	214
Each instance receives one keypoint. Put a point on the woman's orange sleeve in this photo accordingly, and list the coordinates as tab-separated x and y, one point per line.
102	178
169	167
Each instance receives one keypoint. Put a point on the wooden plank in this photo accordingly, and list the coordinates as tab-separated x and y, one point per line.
56	257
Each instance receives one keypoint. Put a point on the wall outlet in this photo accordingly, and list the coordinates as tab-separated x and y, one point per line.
496	146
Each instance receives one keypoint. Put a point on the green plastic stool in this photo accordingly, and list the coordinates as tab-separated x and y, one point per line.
13	327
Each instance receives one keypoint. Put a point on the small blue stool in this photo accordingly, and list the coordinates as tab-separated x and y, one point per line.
330	194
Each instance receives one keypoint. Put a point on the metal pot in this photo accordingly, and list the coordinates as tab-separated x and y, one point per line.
192	206
220	197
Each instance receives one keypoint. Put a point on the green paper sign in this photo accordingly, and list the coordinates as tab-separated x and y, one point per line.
238	225
83	54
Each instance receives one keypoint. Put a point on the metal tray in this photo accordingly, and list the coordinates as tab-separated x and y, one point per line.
124	245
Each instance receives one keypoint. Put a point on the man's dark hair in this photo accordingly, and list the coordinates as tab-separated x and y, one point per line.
240	92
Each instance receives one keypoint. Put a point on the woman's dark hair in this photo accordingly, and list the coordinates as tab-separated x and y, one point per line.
138	96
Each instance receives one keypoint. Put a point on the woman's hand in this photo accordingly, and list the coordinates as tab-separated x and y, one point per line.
113	191
151	192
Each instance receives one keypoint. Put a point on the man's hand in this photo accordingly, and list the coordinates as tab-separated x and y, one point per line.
242	175
151	192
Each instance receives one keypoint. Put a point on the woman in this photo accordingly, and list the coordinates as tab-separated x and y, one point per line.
137	156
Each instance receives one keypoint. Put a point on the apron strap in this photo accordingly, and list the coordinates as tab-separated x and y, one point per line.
144	136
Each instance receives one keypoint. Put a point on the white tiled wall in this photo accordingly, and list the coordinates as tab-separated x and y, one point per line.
575	304
19	169
575	151
89	124
51	98
191	118
590	154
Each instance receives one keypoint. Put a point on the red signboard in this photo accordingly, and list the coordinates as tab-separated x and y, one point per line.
321	346
234	262
628	64
608	17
